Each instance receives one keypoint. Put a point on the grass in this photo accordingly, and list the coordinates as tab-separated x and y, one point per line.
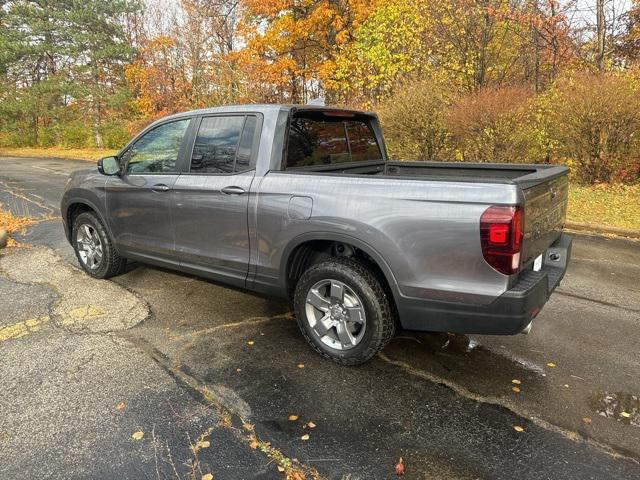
88	154
611	205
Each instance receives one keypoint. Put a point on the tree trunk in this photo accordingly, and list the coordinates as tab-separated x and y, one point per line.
600	31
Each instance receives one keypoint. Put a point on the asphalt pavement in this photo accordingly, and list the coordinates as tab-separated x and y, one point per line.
157	374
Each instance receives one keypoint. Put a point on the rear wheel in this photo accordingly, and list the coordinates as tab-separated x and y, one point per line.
343	310
94	249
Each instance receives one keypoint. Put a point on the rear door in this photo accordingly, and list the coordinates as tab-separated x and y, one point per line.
139	201
211	197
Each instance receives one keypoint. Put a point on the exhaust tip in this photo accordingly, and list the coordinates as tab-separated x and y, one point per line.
527	329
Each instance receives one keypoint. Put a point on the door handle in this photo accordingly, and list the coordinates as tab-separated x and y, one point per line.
160	187
233	190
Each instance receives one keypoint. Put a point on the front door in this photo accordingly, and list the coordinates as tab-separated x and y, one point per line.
139	200
211	199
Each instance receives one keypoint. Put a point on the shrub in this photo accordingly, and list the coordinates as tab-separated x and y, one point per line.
114	135
48	136
595	120
76	135
413	122
485	125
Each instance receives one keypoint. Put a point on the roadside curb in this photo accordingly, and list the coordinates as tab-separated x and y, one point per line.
4	238
602	229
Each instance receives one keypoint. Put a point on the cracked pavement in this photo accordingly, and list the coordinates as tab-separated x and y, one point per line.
174	350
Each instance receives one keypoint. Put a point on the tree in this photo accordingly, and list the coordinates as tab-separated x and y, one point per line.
628	47
60	54
98	45
290	45
391	44
158	78
600	33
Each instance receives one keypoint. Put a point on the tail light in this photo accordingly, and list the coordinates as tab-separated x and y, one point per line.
501	237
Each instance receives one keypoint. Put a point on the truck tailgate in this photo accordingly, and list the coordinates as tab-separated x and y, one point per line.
545	209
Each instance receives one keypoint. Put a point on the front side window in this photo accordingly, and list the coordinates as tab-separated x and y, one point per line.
157	151
223	144
320	139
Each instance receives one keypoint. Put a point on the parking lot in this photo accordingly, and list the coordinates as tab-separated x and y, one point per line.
161	375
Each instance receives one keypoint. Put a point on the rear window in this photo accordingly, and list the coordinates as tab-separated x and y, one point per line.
320	139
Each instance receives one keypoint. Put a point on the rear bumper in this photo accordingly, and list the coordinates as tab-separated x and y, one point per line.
508	314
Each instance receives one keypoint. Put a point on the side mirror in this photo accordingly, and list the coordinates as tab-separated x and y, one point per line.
109	166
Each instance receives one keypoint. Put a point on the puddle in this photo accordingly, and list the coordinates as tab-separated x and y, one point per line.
445	342
462	347
621	406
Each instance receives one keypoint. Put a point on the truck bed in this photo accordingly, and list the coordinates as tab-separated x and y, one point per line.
524	175
544	189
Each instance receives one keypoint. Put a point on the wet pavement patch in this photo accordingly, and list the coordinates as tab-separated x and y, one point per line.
367	417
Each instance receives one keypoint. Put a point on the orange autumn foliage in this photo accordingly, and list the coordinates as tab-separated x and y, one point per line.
290	45
158	80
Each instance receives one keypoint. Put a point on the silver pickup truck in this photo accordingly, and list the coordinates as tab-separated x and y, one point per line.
301	202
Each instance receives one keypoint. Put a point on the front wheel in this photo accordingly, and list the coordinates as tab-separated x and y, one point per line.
343	310
94	249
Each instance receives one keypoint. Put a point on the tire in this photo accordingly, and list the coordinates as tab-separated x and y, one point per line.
364	294
110	263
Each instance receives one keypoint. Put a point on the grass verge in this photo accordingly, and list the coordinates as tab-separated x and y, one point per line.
88	154
610	205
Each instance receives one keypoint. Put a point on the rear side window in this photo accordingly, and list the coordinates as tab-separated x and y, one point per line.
223	144
318	139
243	159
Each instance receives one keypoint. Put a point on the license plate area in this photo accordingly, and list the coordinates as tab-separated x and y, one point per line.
537	263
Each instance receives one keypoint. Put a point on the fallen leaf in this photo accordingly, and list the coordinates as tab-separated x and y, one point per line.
518	428
203	444
311	425
515	389
301	365
293	418
587	420
138	435
551	365
120	406
625	414
280	468
250	342
566	386
400	467
515	381
207	476
305	437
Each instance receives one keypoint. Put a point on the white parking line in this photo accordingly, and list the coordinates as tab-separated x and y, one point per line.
55	172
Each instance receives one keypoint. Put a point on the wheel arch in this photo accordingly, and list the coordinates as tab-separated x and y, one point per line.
75	207
300	252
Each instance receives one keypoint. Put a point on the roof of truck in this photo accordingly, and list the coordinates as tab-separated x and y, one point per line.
262	107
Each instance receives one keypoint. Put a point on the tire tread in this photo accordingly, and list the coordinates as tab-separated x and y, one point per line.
115	264
384	328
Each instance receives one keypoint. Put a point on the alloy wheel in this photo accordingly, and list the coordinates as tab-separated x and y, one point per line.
335	314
